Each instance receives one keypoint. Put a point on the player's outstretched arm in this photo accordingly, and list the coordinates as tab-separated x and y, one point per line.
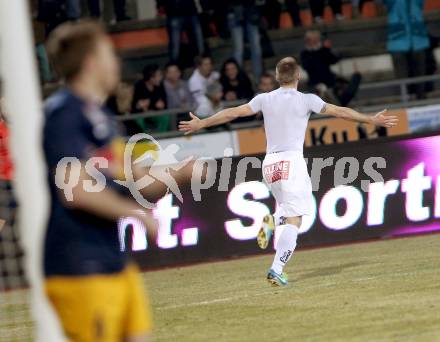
379	119
225	115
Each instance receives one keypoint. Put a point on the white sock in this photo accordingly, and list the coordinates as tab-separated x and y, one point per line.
285	247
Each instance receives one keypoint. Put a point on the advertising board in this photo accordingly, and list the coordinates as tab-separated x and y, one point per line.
362	190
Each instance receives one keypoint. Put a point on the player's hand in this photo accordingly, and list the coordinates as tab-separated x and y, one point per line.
149	221
143	104
191	126
380	119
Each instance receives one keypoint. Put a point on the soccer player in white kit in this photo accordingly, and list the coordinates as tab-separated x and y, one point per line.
286	113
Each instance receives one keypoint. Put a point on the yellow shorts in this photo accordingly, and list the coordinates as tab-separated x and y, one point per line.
107	308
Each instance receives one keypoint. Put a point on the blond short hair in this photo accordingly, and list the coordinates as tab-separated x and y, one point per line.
70	43
287	71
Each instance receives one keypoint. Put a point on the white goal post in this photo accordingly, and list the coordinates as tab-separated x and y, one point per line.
23	100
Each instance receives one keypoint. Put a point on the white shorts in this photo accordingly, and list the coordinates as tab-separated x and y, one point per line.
285	173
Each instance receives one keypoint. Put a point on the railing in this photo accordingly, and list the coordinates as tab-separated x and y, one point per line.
173	113
406	102
402	83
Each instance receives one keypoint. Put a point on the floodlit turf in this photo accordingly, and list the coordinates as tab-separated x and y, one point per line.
15	322
377	291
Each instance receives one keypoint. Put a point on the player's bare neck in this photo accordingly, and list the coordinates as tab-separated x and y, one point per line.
290	85
88	90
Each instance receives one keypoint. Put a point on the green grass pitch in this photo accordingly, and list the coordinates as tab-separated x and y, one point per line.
377	291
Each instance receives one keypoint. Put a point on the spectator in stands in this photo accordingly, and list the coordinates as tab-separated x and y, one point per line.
9	205
236	84
270	10
74	9
243	17
202	76
120	102
431	63
214	12
52	13
176	89
39	29
408	39
5	160
316	59
357	7
211	102
294	11
181	15
317	9
267	83
149	94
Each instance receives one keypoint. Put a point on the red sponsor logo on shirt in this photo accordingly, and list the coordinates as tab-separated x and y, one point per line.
277	171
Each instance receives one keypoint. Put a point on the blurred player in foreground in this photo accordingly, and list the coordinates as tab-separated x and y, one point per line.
95	291
286	112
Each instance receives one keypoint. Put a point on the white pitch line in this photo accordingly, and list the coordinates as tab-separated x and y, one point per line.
228	299
392	275
213	301
364	279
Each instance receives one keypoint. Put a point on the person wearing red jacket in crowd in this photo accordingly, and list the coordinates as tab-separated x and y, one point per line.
7	200
5	160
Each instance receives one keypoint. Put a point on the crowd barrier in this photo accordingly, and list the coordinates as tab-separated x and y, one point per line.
366	190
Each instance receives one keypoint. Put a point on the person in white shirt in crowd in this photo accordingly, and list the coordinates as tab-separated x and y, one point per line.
211	102
286	113
203	75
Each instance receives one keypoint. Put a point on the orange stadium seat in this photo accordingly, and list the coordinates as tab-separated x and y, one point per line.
134	39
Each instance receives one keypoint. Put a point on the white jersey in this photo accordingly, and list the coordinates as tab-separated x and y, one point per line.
286	113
